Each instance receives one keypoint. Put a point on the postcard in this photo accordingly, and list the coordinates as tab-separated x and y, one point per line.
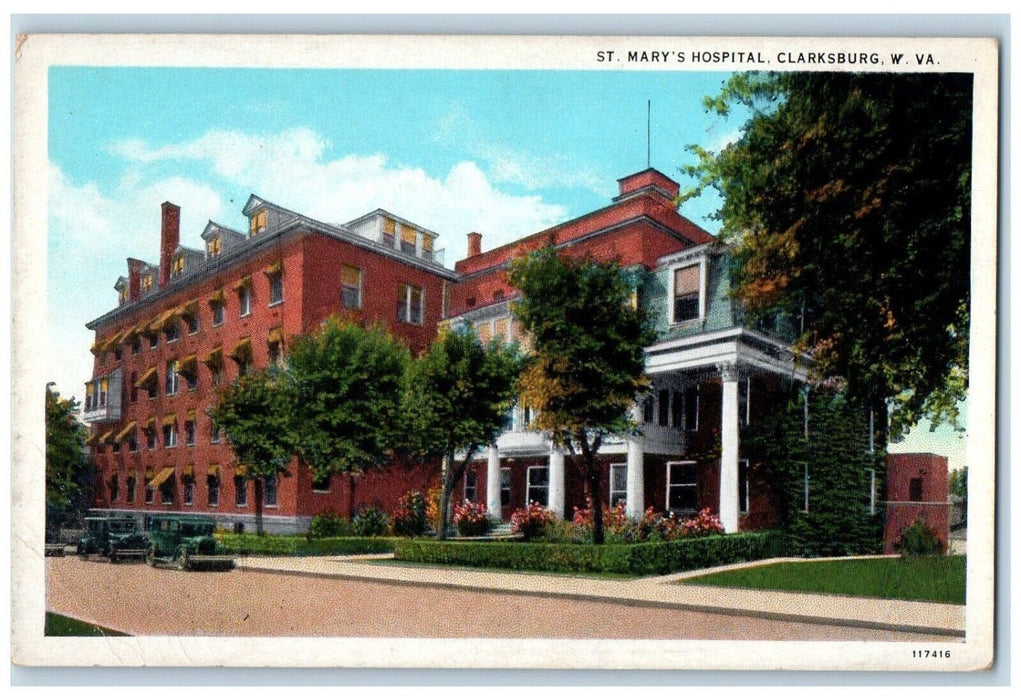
549	352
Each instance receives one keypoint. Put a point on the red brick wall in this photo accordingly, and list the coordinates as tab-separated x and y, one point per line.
932	508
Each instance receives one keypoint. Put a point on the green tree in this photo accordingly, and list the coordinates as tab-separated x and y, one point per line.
346	386
254	412
847	199
68	471
457	397
588	355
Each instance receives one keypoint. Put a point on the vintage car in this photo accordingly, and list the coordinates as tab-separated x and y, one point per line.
113	536
186	541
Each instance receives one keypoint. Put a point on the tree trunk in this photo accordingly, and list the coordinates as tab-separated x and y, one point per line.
258	507
350	496
592	481
444	498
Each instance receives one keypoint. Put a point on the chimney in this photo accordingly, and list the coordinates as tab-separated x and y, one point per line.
134	278
474	244
170	238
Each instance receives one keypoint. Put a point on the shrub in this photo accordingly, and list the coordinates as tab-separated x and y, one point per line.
433	513
918	539
642	559
296	545
410	517
471	519
371	522
565	532
531	520
703	524
329	523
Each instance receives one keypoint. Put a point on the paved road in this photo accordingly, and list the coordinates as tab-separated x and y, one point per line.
140	600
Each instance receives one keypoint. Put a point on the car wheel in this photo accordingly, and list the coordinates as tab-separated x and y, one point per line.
113	556
150	555
182	560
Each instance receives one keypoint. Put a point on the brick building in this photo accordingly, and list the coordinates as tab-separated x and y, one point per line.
198	318
712	374
917	488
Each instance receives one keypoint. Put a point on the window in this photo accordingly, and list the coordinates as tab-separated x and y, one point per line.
664	407
132	441
189	491
350	287
872	492
269	493
275	347
214	433
691	406
744	401
805	487
213	485
408	236
389	232
213	246
216	307
240	492
172	332
150	438
915	489
147	281
104	388
172	378
216	374
150	492
115	487
470	485
498	295
321	483
170	435
538	486
743	487
505	487
427	247
687	293
257	224
245	298
167	492
677	410
409	308
117	353
130	488
154	341
682	487
136	344
189	432
177	266
192	319
618	484
133	391
648	409
275	276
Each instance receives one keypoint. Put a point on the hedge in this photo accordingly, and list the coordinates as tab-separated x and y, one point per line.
642	559
302	546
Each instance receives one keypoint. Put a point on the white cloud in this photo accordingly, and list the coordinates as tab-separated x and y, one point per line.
289	169
528	169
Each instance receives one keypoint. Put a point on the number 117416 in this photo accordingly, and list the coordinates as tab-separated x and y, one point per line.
930	654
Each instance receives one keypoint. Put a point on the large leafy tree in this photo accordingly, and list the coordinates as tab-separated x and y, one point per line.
588	363
254	412
458	395
68	472
847	199
346	387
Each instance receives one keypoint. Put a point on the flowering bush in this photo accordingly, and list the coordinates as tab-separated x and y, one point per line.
410	516
616	524
370	522
433	513
705	523
531	520
471	519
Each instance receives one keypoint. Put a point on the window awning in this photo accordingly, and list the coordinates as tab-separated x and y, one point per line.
106	436
191	308
275	268
188	364
246	282
94	349
241	470
350	276
243	347
215	356
217	296
145	378
276	335
427	243
92	439
188	472
408	234
149	473
213	471
151	423
162	477
191	414
161	320
169	419
127	429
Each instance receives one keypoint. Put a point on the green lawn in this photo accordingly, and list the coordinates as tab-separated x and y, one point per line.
62	626
934	579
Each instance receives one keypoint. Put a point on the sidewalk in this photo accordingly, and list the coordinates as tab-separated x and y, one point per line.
661	591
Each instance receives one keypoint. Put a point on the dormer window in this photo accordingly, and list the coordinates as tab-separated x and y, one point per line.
147	281
122	291
257	224
389	232
688	292
213	246
177	266
408	236
427	247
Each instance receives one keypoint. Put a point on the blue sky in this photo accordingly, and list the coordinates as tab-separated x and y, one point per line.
505	153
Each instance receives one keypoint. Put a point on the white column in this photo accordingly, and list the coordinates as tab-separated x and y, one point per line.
635	469
556	481
493	483
729	449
